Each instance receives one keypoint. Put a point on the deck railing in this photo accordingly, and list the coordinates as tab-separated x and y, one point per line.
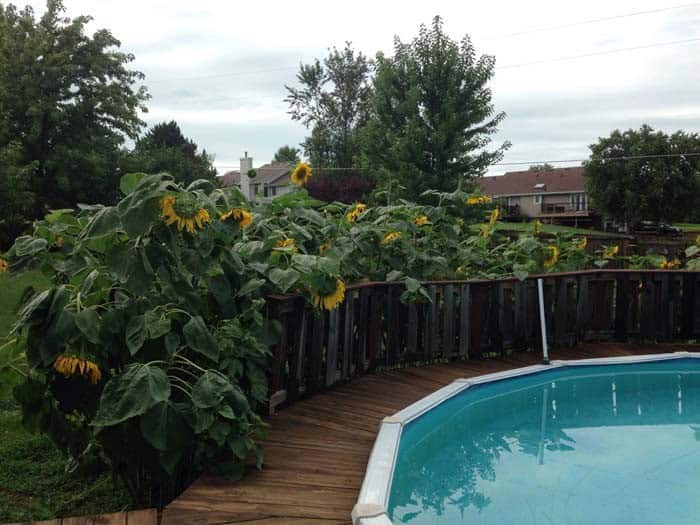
472	319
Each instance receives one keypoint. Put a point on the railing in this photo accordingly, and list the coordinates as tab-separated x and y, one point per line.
553	208
472	319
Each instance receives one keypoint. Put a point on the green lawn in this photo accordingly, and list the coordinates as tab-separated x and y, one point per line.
34	484
549	228
689	227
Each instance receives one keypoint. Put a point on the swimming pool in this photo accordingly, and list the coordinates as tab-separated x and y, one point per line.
586	442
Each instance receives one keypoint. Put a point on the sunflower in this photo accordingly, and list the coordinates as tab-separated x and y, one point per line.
610	252
391	237
494	216
282	244
184	211
421	220
670	265
325	246
4	266
485	231
538	227
301	174
243	217
582	243
550	261
355	213
332	300
481	199
72	366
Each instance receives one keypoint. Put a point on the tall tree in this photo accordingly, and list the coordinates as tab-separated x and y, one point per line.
67	102
541	167
432	115
165	149
661	186
287	154
332	100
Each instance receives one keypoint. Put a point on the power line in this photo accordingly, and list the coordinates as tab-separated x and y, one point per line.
601	53
591	21
533	162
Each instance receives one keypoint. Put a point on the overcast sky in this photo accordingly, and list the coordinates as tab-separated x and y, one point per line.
219	68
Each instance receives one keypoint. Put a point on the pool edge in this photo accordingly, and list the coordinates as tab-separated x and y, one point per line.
373	501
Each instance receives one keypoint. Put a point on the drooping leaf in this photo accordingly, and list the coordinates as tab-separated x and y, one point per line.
135	333
210	389
200	339
88	322
164	427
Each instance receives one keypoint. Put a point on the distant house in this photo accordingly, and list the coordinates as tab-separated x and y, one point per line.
556	195
270	179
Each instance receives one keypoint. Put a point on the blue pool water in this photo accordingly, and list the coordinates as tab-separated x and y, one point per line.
585	445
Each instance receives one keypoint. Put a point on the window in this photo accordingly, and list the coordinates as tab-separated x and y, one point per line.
578	201
537	199
273	190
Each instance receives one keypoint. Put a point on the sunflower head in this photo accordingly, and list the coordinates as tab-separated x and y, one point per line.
241	216
69	366
485	231
286	245
422	220
325	246
478	199
494	216
330	297
670	265
391	237
552	256
355	213
582	243
610	251
301	174
4	265
537	225
184	211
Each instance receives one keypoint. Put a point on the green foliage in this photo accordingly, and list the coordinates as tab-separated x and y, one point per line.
68	100
657	189
287	154
332	100
431	115
164	149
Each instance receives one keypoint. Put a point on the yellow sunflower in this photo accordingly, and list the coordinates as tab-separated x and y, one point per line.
183	211
582	243
538	227
550	261
325	246
355	213
480	199
494	216
485	231
282	244
242	216
331	300
301	174
71	366
610	251
4	266
391	237
670	265
421	220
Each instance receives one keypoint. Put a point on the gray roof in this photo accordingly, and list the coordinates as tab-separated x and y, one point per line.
274	174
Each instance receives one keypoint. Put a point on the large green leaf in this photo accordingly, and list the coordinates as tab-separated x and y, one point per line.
135	333
129	182
88	322
156	325
210	389
132	394
164	427
283	279
200	339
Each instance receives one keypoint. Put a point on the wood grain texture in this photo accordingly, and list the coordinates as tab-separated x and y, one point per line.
317	449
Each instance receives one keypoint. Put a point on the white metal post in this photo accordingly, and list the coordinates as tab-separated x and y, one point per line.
543	323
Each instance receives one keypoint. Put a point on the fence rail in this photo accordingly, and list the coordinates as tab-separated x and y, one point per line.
473	319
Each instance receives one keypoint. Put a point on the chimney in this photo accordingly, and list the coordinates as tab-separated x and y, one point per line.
245	166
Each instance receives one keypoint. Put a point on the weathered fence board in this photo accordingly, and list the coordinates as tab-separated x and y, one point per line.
469	319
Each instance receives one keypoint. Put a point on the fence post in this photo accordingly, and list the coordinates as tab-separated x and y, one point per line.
543	322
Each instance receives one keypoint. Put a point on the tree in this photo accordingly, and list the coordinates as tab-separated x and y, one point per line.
431	115
287	154
332	100
541	167
660	188
67	102
165	149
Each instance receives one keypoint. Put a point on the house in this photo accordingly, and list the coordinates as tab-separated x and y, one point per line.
270	180
556	195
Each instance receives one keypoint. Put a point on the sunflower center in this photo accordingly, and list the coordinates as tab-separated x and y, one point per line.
185	206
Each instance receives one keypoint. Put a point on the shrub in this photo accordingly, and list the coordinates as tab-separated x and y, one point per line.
345	186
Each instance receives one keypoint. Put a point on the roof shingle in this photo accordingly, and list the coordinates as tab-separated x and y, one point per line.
557	180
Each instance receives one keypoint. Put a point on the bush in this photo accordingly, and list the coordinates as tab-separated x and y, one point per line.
344	186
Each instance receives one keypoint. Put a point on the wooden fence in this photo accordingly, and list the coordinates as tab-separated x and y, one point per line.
473	319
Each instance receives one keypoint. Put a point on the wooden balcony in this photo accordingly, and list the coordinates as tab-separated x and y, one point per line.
563	209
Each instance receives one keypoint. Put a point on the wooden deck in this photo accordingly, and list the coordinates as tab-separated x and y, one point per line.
134	517
317	449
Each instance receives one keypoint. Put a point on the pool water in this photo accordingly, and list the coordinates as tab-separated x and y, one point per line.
586	445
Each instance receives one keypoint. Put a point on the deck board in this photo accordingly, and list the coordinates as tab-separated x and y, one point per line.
317	449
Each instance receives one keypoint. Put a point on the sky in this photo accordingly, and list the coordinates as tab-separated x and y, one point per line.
219	67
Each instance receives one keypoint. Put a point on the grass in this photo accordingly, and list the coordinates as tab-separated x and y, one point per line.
550	228
34	484
689	227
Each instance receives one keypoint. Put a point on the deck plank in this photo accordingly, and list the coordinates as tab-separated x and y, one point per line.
317	449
